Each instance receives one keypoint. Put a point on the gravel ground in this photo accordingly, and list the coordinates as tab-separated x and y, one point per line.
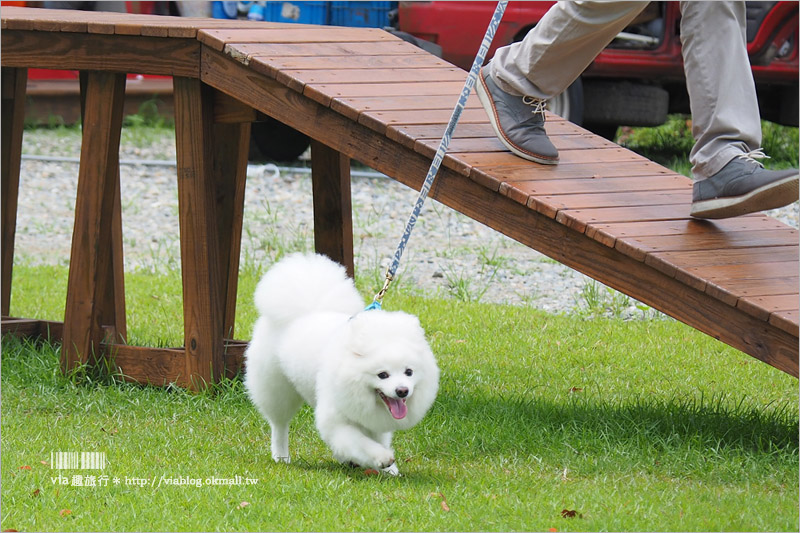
448	255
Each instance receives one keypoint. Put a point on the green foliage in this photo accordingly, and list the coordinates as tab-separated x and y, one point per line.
670	143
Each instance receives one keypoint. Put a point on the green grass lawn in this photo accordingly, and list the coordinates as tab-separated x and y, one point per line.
633	425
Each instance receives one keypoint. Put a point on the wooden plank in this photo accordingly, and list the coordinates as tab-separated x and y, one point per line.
148	366
354	107
121	53
737	256
731	291
203	303
13	122
350	62
786	321
763	306
552	205
298	79
320	49
325	93
597	157
641	247
609	233
555	126
525	177
714	241
670	263
736	272
31	327
91	298
407	102
333	214
381	120
691	226
493	144
216	39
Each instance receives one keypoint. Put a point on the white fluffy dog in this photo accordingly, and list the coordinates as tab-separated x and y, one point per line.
365	373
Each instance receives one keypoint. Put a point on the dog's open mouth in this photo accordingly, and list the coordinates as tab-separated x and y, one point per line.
397	406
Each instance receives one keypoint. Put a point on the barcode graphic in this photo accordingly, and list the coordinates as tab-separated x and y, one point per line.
77	460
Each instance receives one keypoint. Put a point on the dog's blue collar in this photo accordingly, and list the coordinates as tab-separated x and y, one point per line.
374	305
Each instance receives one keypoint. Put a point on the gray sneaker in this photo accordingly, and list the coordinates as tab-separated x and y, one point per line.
743	186
518	121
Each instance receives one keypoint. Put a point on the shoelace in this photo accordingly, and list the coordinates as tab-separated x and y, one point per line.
753	155
537	104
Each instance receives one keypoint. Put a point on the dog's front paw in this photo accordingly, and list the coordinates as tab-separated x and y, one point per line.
385	460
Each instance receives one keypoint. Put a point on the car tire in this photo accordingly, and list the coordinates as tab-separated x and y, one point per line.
622	103
275	141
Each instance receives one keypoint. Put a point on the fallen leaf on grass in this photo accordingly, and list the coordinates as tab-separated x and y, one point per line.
443	503
243	505
36	492
371	472
65	512
25	467
552	529
576	389
566	513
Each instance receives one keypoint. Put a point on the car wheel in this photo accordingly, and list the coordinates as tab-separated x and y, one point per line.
276	141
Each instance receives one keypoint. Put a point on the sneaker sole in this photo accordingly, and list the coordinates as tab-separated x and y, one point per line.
771	196
486	102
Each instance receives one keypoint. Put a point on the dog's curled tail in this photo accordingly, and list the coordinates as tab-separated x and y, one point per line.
305	283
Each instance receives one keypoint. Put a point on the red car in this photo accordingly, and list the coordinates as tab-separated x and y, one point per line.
639	78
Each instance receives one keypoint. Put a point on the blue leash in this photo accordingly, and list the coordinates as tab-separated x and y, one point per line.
445	142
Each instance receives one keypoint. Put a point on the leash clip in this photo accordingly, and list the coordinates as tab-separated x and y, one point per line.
376	302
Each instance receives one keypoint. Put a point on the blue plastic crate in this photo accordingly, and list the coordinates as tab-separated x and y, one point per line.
300	12
361	14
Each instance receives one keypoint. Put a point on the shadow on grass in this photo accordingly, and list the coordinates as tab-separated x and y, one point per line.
699	424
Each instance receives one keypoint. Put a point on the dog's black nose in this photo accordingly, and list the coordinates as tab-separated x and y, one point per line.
401	392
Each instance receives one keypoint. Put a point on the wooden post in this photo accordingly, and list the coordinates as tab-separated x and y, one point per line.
92	297
333	214
14	81
203	302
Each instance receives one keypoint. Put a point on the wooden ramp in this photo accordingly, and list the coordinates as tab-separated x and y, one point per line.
363	94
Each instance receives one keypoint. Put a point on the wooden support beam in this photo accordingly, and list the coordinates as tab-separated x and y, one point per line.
91	289
203	300
333	214
231	145
116	274
14	81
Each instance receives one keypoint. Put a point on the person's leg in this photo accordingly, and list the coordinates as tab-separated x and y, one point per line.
513	87
726	124
560	47
722	93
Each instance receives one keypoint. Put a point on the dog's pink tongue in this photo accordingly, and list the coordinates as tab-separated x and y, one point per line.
396	407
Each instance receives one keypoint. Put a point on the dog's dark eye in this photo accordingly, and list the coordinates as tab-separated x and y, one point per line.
409	372
383	375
